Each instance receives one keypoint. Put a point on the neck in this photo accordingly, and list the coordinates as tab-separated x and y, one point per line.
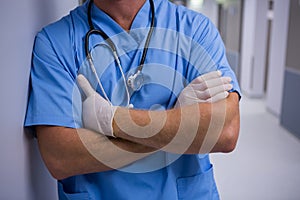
122	11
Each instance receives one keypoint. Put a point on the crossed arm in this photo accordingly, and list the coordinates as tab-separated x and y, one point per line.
216	129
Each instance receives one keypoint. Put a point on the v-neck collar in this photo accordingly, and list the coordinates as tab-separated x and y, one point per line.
104	22
125	41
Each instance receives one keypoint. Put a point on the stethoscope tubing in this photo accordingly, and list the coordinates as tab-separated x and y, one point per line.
113	48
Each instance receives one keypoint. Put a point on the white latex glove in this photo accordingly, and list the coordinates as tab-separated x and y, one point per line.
97	113
210	87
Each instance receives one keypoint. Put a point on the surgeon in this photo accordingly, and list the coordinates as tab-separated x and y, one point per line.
129	98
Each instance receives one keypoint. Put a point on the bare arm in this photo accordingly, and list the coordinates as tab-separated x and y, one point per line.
84	151
200	128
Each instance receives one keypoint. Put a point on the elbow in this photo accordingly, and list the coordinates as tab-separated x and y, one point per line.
229	137
57	172
230	132
59	175
230	142
56	168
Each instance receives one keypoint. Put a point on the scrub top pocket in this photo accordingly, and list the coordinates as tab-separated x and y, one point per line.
200	186
72	196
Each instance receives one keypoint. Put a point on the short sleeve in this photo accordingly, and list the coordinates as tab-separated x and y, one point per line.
52	86
210	41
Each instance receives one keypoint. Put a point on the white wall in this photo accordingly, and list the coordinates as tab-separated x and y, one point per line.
254	45
277	56
247	43
209	8
23	175
260	49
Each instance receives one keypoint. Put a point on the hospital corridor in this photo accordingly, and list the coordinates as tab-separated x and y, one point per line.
72	70
266	161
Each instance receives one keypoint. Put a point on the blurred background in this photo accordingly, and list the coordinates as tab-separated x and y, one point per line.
263	48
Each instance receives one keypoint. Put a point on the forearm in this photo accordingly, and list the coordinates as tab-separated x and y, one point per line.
226	134
69	152
200	128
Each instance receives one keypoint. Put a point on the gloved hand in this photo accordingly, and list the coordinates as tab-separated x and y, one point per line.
210	87
97	113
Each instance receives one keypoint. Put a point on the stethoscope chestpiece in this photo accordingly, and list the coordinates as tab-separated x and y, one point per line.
136	81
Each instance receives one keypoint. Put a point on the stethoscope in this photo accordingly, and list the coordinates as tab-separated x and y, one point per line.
134	81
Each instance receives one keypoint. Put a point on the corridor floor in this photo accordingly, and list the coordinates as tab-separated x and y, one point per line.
266	162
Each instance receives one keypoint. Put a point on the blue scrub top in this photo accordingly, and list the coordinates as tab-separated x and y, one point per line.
184	45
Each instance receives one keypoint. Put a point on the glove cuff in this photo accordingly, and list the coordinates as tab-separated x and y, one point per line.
98	118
